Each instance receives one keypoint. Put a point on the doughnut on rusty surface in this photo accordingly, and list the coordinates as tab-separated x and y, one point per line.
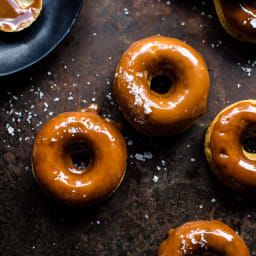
79	132
224	149
153	113
197	236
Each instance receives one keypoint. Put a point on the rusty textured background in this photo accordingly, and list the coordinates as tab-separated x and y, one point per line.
137	217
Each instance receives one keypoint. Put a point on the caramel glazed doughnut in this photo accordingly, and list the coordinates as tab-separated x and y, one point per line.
238	18
16	15
231	163
73	133
154	113
198	236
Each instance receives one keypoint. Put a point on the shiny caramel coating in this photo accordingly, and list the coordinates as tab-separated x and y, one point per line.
158	114
66	135
238	18
197	236
224	150
15	15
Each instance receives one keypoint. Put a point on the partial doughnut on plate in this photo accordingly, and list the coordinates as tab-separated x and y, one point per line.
16	15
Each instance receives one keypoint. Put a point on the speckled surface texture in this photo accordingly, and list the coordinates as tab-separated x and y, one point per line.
137	217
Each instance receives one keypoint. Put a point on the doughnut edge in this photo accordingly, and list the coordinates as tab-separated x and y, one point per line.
208	153
238	35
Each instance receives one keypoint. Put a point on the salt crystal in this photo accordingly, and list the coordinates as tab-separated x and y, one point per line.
130	143
155	179
10	129
148	155
140	157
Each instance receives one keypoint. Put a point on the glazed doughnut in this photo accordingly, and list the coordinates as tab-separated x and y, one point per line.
198	236
238	18
67	135
234	167
15	15
174	111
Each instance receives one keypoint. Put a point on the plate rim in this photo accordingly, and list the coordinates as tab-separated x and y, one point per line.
51	49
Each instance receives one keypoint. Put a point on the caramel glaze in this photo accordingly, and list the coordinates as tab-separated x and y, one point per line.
14	17
193	237
52	162
161	114
238	18
226	155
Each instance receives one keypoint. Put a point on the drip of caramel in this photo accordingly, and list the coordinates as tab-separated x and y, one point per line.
16	15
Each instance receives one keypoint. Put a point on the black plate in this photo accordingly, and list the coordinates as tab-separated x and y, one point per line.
23	49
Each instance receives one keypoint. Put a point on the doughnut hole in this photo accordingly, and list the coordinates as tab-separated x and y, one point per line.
248	140
162	79
78	156
249	4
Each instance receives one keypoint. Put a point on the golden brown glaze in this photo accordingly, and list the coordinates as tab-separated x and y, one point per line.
158	114
224	146
16	15
62	137
238	18
193	237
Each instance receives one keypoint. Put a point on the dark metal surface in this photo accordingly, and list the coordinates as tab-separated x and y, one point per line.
137	217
